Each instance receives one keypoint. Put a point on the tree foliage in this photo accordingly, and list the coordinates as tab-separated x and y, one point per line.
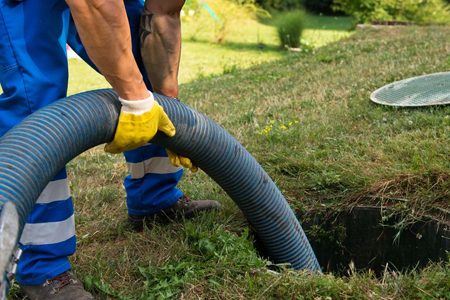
319	6
417	11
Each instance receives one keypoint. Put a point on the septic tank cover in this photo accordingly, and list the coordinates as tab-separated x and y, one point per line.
431	89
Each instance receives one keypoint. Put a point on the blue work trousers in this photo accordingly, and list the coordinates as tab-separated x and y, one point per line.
33	74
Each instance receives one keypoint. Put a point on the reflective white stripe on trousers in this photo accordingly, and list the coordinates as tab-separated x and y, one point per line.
48	233
156	165
55	191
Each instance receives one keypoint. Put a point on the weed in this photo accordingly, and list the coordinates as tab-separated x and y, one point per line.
94	283
212	257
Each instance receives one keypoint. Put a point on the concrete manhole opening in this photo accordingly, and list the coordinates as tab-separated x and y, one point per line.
361	239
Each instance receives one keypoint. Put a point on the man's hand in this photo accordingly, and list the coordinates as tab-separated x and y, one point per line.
139	121
178	160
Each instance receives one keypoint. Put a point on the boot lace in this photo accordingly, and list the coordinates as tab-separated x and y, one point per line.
184	201
59	282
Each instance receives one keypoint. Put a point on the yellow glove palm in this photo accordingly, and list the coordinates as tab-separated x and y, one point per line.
138	123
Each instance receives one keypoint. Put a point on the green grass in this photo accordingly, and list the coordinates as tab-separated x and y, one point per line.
248	43
307	119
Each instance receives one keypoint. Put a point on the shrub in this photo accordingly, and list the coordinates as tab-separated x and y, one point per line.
417	11
289	27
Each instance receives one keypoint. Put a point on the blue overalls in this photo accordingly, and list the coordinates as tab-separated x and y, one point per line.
34	73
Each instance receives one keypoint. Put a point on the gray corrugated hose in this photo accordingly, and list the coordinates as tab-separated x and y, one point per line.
34	151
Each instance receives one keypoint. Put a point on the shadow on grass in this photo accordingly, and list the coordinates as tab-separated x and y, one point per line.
320	22
238	45
314	22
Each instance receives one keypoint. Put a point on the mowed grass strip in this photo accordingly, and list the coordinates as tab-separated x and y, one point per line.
248	43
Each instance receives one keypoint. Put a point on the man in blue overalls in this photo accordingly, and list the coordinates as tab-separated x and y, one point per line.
34	73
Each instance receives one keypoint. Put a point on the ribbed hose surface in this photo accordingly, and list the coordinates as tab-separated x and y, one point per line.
33	152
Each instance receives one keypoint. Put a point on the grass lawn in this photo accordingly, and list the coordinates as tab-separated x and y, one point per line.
248	43
307	119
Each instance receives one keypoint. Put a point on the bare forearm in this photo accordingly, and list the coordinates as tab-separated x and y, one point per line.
161	45
104	30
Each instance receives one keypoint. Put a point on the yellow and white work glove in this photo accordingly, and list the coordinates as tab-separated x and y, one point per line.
178	160
139	120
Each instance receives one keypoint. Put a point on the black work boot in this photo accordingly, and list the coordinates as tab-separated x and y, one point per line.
183	208
62	287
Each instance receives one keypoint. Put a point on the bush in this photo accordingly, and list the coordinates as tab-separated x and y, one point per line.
319	6
289	27
417	11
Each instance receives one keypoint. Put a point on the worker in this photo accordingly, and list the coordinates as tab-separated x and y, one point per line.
110	35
